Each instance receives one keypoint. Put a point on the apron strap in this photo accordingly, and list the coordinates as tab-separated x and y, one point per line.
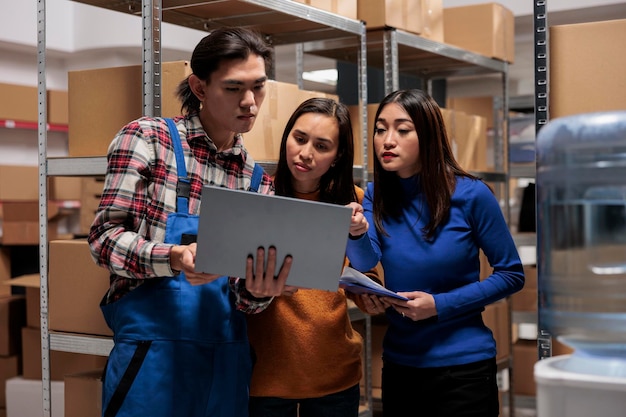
184	184
127	379
257	176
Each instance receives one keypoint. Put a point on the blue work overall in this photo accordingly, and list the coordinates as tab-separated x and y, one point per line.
180	350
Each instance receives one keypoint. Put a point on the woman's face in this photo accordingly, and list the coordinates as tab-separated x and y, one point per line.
311	150
396	144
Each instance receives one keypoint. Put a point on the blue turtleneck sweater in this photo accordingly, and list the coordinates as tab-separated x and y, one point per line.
447	267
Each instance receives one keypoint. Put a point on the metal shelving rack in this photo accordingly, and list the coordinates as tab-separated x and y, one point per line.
282	22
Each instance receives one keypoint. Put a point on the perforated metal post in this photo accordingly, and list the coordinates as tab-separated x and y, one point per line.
151	15
544	339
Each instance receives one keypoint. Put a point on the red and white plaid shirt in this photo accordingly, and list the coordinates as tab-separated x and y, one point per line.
128	231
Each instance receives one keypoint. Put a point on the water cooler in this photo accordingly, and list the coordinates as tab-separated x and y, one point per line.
581	238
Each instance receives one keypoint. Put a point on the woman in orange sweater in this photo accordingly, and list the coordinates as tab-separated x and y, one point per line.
307	355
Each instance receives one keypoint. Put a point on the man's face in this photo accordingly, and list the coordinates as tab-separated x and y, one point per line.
233	96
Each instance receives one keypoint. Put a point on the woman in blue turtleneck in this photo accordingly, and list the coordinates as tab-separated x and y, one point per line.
429	218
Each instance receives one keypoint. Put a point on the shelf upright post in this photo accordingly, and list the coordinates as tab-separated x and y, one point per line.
544	339
390	59
363	101
300	65
151	16
42	133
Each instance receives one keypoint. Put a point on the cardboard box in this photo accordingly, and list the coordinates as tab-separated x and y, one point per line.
83	394
357	132
21	222
9	368
487	29
102	101
18	102
496	316
527	298
12	318
91	193
595	83
5	270
65	188
58	108
24	398
525	355
61	363
26	189
481	106
31	284
345	8
76	287
421	17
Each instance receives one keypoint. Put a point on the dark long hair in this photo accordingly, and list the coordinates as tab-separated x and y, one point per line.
337	184
220	45
439	168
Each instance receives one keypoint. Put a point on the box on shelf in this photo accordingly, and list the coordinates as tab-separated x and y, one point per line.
478	105
19	102
9	368
19	183
602	45
31	284
65	188
61	363
91	193
344	8
24	398
76	287
21	222
420	17
12	318
83	394
496	317
527	298
102	101
525	355
5	269
487	29
58	109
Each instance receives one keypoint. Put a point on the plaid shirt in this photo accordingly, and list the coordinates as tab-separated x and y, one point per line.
127	234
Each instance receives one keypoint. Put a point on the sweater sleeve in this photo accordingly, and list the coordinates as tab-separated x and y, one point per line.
364	253
492	235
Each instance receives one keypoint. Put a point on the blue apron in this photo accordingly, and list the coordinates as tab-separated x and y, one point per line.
180	350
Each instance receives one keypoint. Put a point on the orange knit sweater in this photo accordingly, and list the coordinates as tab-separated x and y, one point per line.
305	345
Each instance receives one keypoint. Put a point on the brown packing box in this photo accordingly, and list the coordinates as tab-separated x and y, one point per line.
91	192
83	394
18	102
65	188
345	8
496	317
102	101
19	183
5	270
527	298
12	318
577	52
525	355
357	129
76	287
58	109
61	363
487	29
480	106
21	222
9	368
421	17
31	284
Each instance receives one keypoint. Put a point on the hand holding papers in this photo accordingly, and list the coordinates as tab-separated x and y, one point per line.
355	282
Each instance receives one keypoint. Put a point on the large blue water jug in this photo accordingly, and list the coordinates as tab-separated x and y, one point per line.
581	231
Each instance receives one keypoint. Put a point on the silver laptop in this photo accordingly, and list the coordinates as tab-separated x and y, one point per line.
235	223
